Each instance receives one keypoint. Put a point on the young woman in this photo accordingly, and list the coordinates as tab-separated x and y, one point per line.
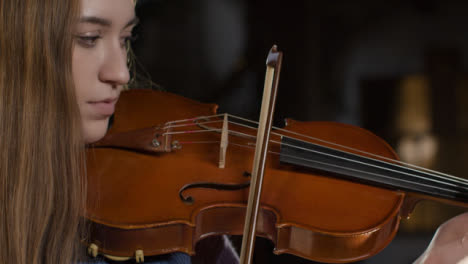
63	65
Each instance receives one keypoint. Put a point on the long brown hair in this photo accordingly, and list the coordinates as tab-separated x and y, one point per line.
41	147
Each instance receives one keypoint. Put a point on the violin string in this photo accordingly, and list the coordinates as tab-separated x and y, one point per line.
434	178
348	168
353	169
381	175
352	149
368	164
189	132
407	166
346	159
456	184
246	135
193	119
198	142
190	124
217	142
455	179
208	129
413	167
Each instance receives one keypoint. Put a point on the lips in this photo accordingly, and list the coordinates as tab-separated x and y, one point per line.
104	107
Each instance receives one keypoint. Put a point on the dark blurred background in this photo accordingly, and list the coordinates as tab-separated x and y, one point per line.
395	67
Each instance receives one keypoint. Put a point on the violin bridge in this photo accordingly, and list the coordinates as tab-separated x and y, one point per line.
224	143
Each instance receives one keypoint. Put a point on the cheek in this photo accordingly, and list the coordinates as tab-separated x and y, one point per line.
85	79
81	73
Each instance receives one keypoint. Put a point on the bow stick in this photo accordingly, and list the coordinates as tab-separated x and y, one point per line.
273	67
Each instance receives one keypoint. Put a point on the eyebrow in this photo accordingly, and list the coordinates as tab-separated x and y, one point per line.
133	22
106	22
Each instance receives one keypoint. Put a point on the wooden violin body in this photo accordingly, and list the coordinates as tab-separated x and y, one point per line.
135	198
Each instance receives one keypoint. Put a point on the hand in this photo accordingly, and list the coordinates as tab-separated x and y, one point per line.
449	244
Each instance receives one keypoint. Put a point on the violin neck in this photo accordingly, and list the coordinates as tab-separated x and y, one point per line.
372	171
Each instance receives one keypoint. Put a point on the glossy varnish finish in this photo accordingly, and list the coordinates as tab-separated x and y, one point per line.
133	197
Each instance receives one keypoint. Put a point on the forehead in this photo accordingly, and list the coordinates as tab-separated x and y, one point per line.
117	11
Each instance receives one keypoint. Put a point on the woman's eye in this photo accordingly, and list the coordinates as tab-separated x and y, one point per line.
126	41
88	41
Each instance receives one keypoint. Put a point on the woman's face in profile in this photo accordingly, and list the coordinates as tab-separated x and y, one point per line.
100	61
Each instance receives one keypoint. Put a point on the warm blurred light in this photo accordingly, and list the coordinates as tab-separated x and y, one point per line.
418	150
416	145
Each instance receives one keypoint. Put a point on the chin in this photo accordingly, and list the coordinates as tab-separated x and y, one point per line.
94	130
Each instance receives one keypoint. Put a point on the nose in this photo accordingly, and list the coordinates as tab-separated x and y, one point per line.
114	69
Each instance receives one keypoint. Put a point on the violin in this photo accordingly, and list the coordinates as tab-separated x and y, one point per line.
172	171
